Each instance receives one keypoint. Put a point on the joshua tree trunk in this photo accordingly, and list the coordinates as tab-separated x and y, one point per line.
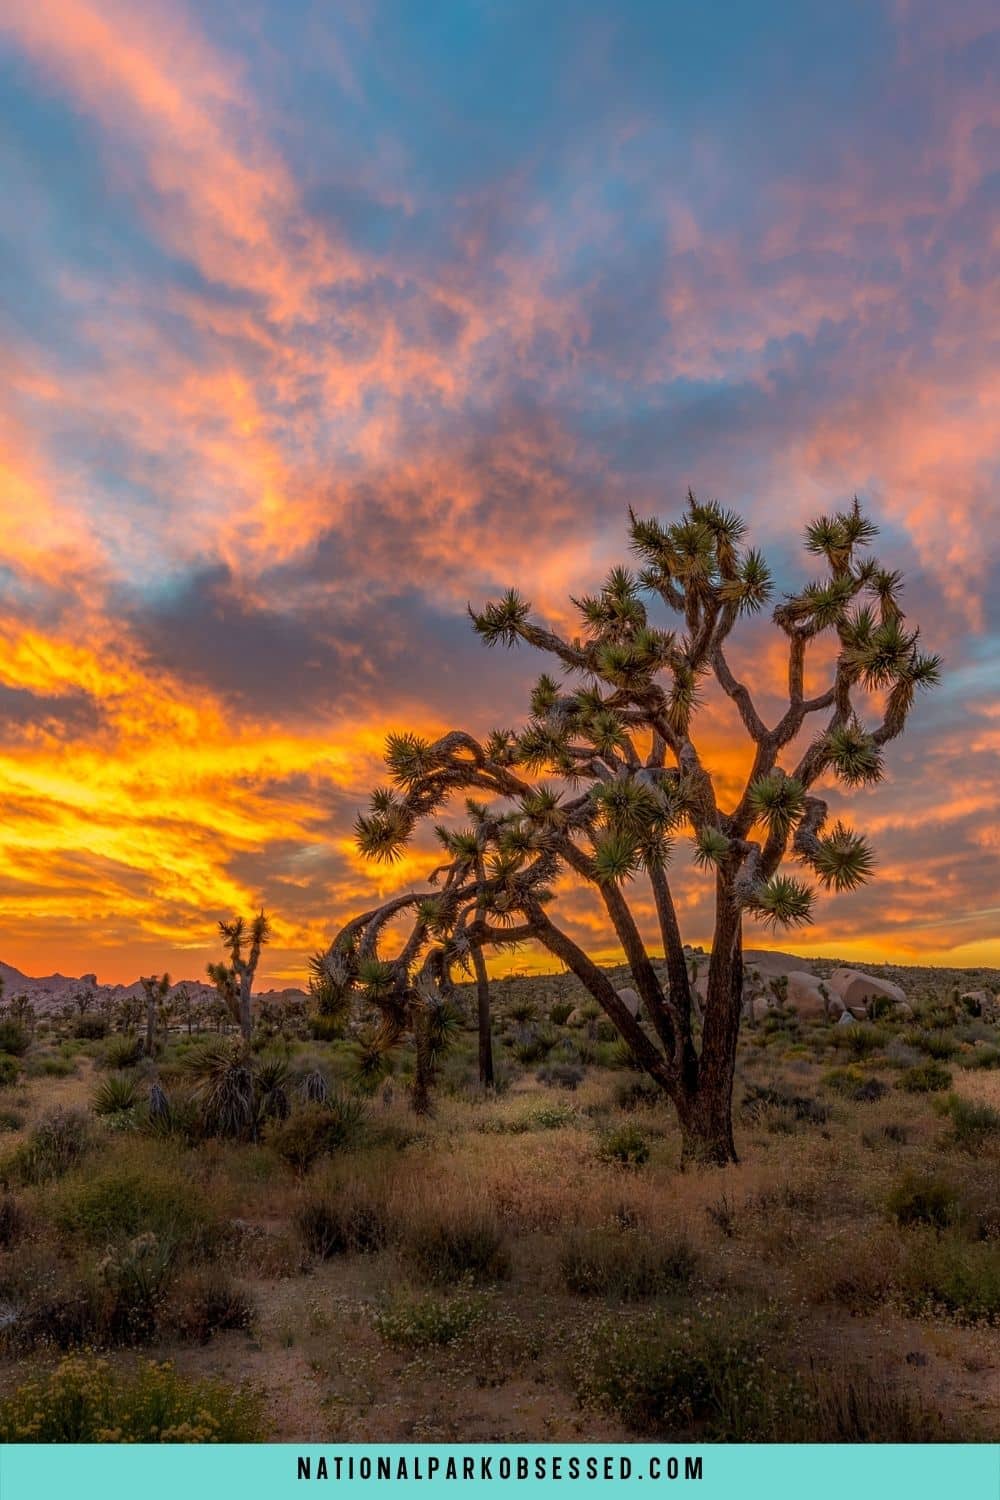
246	1013
706	1110
150	1023
421	1092
483	1010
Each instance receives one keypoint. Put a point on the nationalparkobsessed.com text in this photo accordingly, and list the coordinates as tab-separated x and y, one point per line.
505	1467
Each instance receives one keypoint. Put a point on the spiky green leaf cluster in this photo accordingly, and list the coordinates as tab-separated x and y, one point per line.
711	847
852	753
844	860
500	621
782	901
777	801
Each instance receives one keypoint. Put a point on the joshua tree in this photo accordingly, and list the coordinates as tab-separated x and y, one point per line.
156	990
243	942
618	735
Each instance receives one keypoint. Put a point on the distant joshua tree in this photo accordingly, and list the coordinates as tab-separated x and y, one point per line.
155	989
629	779
243	942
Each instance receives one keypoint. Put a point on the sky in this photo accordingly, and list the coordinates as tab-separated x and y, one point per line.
319	321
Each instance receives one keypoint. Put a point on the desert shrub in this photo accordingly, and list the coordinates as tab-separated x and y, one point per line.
353	1221
10	1070
560	1012
59	1140
855	1405
206	1301
90	1028
121	1200
550	1117
327	1028
925	1078
561	1076
894	1134
314	1130
944	1273
920	1199
936	1044
451	1246
624	1147
12	1221
422	1320
723	1214
771	1105
11	1119
50	1065
860	1040
83	1400
136	1277
15	1039
628	1266
982	1057
973	1124
712	1378
531	1045
605	1030
116	1095
125	1051
522	1011
637	1093
622	1056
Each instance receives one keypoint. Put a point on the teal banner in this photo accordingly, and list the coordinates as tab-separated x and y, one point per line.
710	1473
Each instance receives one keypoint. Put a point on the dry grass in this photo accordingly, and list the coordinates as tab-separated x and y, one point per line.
362	1340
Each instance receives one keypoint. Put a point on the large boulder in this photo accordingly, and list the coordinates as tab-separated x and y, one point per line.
804	996
630	1000
858	990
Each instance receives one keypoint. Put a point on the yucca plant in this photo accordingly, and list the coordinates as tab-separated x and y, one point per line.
626	781
116	1095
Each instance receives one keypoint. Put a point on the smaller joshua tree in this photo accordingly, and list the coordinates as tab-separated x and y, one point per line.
155	990
243	942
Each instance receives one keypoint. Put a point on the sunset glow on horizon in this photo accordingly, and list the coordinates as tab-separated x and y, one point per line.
319	322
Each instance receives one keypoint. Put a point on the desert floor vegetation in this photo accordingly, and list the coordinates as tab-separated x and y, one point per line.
201	1250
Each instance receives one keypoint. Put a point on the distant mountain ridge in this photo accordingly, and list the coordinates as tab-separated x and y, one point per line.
51	991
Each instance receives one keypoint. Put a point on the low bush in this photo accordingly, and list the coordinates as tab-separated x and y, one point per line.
925	1078
715	1377
90	1028
120	1200
637	1093
453	1246
125	1051
10	1070
59	1140
624	1147
628	1266
12	1221
15	1039
204	1302
353	1221
920	1199
973	1123
774	1105
855	1405
83	1400
414	1321
981	1057
947	1274
935	1044
560	1012
561	1076
315	1130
